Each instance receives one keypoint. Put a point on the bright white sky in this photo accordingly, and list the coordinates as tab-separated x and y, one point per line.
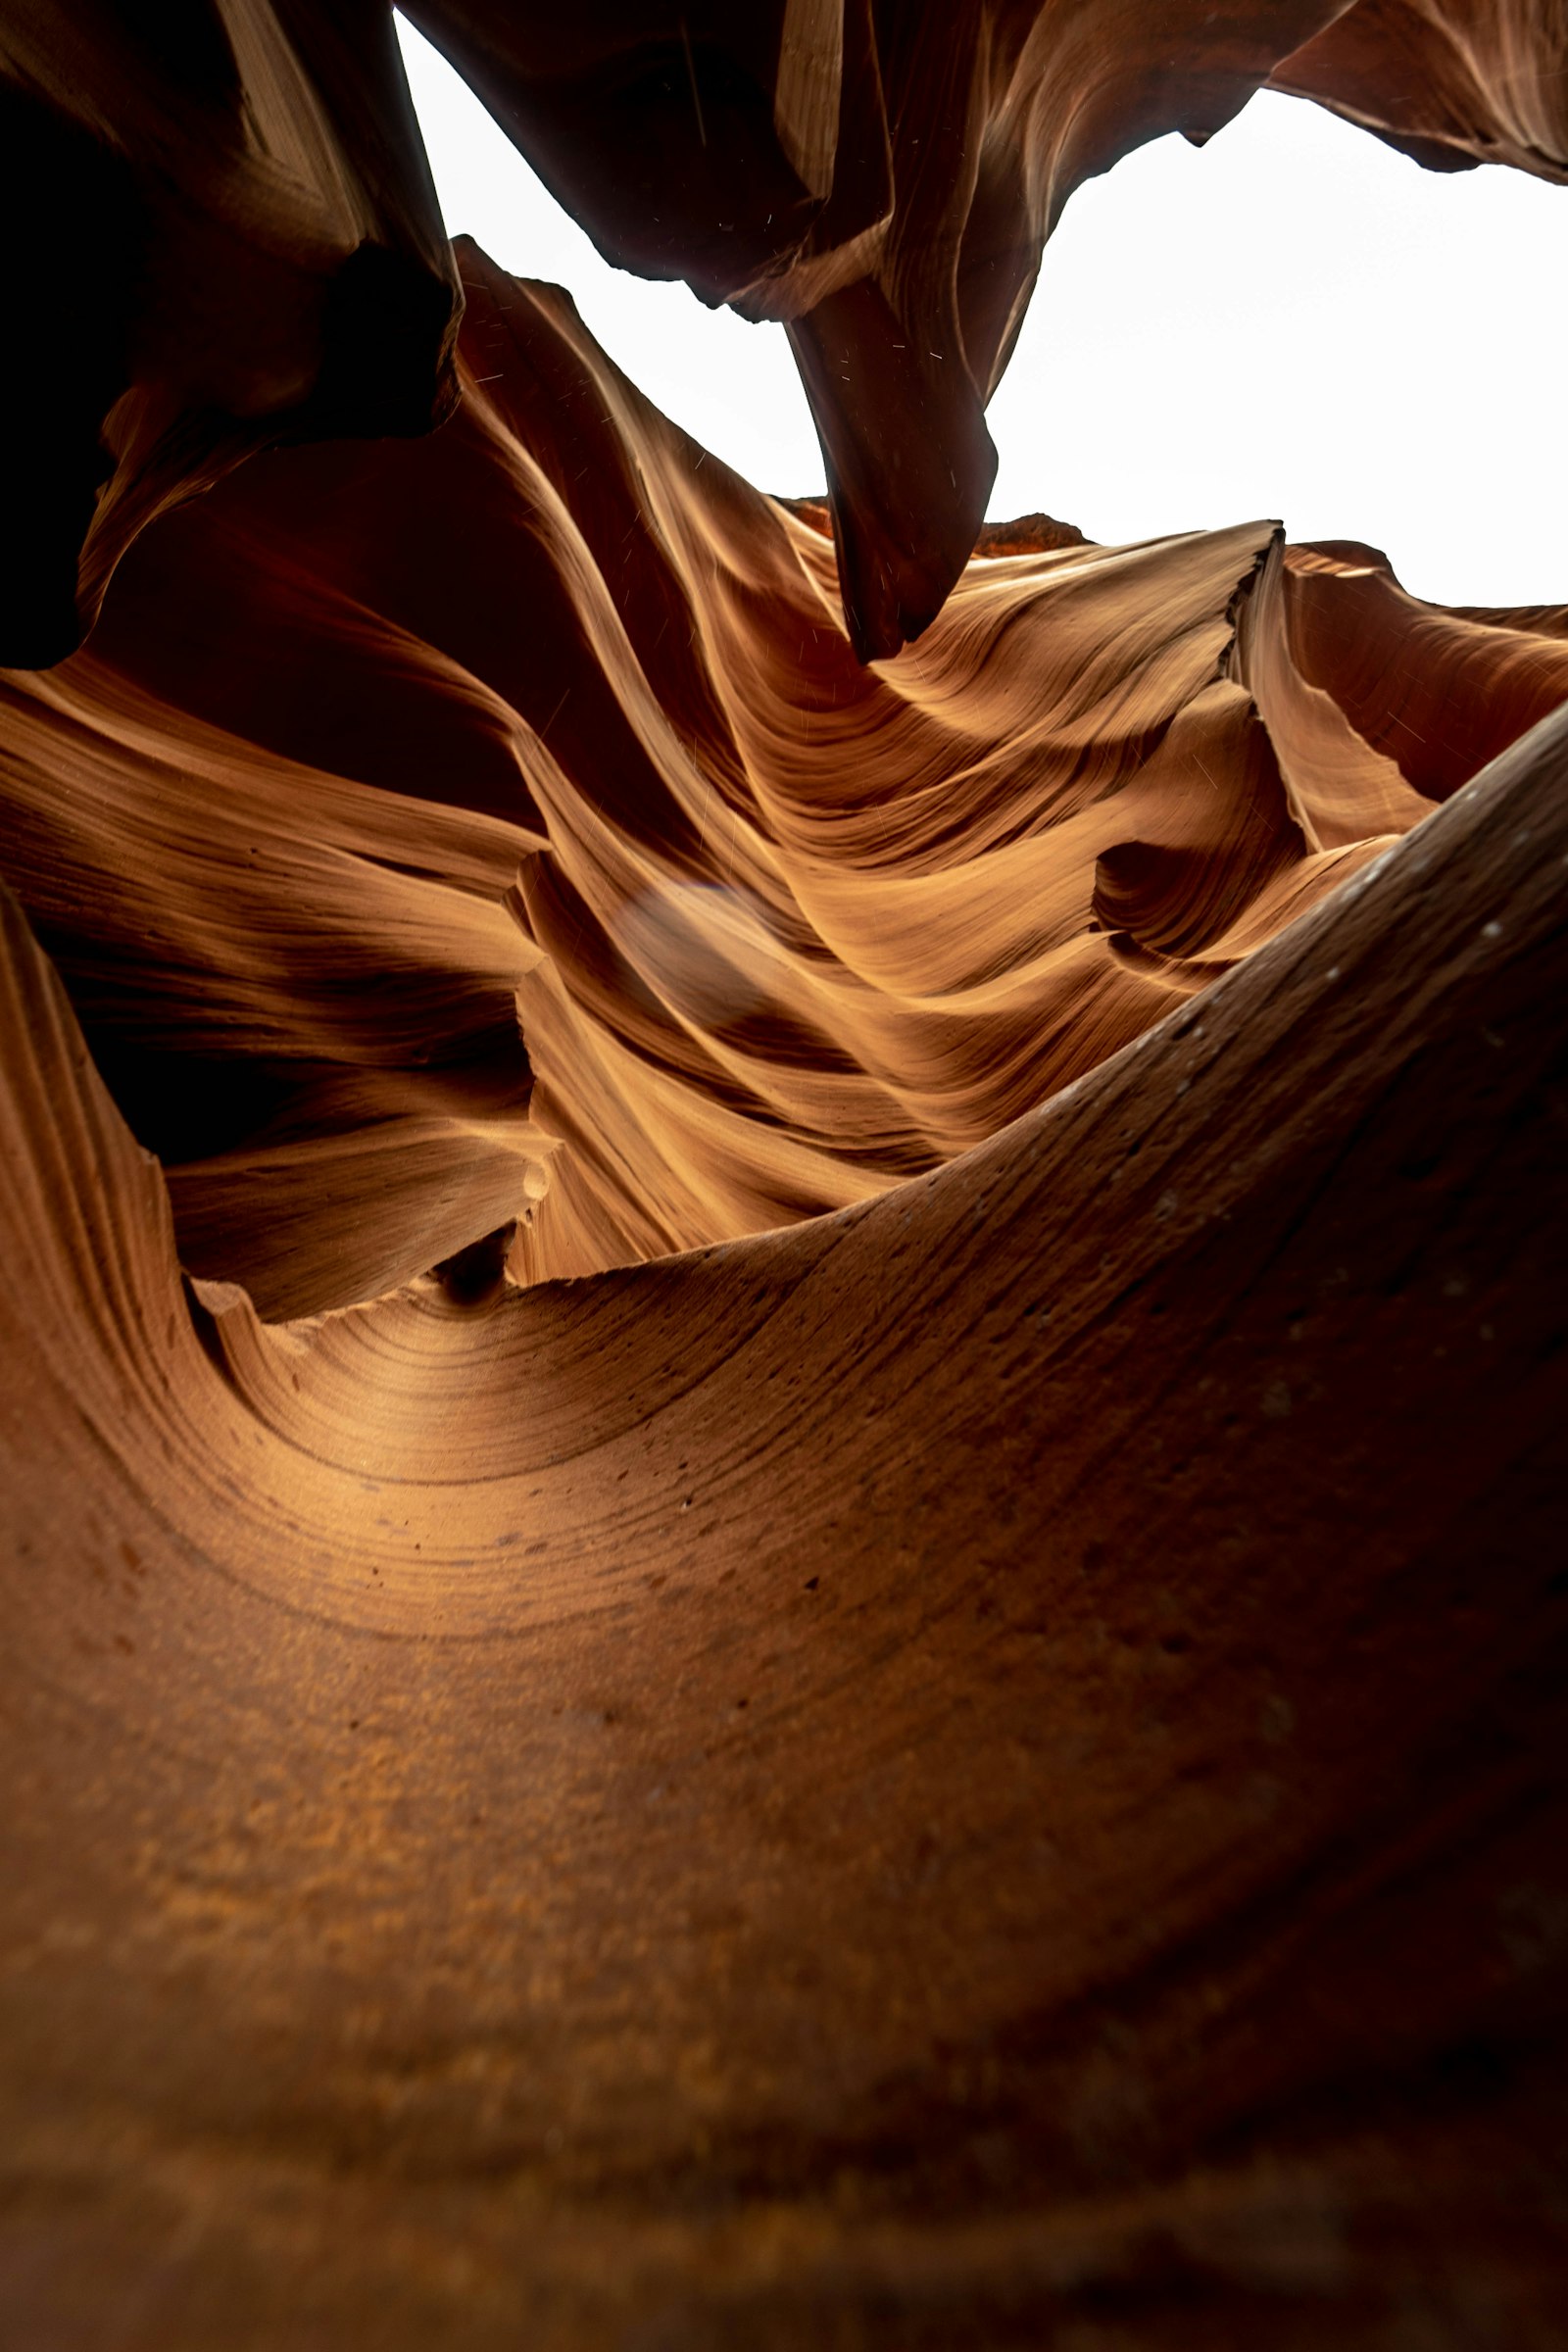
1292	321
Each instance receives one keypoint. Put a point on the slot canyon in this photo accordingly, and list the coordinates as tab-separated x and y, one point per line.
782	1362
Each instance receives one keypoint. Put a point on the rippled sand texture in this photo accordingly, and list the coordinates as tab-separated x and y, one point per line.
796	1577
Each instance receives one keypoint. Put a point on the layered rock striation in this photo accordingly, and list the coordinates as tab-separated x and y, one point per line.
269	261
502	826
781	1436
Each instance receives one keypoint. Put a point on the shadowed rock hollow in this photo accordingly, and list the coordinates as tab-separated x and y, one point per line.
796	1575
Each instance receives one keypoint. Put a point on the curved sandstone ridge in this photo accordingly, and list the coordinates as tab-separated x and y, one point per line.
990	1762
549	725
796	1577
268	261
882	175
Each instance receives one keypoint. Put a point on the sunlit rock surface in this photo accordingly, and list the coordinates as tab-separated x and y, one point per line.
796	1577
989	1762
502	825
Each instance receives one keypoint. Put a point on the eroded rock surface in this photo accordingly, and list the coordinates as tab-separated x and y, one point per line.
246	186
992	1762
503	826
796	1577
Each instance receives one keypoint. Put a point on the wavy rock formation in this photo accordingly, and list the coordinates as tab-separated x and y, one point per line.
269	259
883	177
992	1761
796	1575
777	931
